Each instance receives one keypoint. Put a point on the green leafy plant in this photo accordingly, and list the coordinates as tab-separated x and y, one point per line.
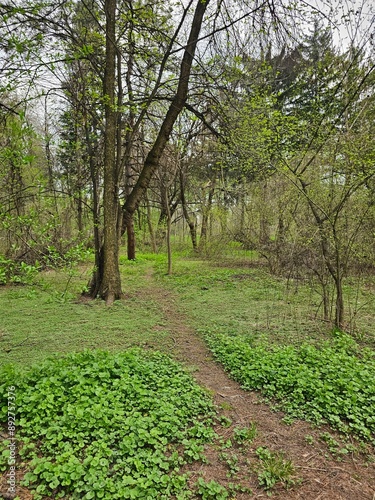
239	488
211	490
309	439
17	272
112	426
327	384
245	434
225	421
232	462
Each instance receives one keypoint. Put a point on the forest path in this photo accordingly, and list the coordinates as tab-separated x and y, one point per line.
323	477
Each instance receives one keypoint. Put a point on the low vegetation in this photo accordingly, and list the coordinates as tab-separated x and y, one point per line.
110	426
331	384
123	422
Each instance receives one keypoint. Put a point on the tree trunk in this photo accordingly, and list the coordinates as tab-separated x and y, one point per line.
129	138
169	247
339	312
205	215
264	224
93	286
335	272
149	223
130	233
177	104
190	222
161	229
110	287
80	211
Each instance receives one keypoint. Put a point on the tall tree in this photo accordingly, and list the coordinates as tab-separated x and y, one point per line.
110	285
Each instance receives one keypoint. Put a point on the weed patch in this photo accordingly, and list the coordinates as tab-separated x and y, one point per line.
329	384
274	468
211	490
96	425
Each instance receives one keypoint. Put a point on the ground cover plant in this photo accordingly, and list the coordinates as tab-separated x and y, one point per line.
333	383
110	426
260	329
237	303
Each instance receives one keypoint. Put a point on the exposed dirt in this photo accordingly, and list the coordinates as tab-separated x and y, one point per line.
320	474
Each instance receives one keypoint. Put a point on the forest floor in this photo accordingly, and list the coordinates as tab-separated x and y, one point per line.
319	474
320	470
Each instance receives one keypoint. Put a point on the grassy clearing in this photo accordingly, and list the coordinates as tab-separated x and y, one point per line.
244	300
46	318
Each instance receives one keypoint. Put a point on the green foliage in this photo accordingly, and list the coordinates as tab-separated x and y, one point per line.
97	425
239	488
232	462
17	272
42	240
245	434
211	490
274	468
336	448
328	384
4	454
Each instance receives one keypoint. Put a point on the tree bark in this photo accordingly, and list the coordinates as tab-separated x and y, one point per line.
149	223
169	247
189	221
335	269
205	215
130	234
110	287
129	138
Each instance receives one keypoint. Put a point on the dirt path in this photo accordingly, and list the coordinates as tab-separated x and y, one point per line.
322	476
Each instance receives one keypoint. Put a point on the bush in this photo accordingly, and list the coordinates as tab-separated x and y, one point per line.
17	272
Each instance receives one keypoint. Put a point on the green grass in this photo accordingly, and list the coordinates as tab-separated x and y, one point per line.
274	468
246	300
46	318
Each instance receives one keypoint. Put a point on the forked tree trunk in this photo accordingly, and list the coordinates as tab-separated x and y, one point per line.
152	160
110	284
334	268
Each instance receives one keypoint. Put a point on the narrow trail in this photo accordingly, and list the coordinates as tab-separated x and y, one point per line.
322	476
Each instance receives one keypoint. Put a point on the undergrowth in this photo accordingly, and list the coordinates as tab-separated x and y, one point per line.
96	425
332	384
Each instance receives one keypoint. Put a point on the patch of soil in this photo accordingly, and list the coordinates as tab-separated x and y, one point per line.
319	474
